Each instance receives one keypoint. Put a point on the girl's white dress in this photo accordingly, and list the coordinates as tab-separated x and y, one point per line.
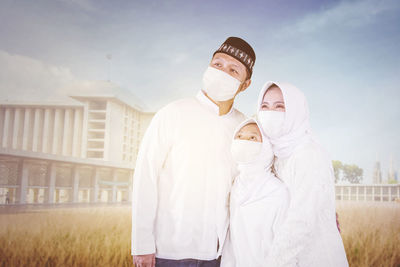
258	205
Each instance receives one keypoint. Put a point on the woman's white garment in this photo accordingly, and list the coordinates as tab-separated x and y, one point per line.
309	236
296	129
183	176
258	206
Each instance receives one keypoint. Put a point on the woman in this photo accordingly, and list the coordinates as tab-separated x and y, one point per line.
258	200
309	236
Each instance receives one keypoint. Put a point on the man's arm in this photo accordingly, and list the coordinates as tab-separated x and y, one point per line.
152	153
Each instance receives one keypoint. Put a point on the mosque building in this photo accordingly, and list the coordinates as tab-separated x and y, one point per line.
80	148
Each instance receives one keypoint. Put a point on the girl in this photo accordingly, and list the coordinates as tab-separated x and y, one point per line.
258	201
309	236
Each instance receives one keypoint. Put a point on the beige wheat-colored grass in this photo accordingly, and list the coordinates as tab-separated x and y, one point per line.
371	233
69	237
101	236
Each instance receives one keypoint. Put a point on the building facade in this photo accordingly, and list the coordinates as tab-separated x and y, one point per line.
80	152
372	192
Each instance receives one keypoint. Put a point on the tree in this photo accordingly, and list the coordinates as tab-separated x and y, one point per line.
337	169
352	173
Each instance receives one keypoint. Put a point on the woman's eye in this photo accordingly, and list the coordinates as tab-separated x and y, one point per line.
264	106
280	107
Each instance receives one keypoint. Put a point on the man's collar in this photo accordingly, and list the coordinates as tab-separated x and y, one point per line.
209	104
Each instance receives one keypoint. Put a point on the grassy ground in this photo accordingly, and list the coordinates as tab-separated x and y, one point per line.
101	236
371	233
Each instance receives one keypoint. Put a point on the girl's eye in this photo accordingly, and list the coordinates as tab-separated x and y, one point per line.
239	136
252	138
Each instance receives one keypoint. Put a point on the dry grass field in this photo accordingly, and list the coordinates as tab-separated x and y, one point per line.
101	236
371	233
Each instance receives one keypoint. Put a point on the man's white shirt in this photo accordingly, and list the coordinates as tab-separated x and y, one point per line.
183	176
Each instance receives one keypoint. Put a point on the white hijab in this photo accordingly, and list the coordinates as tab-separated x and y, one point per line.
296	128
254	174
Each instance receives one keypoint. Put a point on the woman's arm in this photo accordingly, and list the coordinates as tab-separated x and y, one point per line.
307	193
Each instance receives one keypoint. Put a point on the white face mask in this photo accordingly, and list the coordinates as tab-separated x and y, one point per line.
219	85
244	151
271	122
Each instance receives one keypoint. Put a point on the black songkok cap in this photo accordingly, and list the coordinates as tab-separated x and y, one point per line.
239	49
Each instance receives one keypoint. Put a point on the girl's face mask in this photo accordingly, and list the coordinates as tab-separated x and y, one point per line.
244	151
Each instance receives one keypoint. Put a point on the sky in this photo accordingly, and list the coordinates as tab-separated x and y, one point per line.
344	55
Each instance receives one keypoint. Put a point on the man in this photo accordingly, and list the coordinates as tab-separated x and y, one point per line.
184	168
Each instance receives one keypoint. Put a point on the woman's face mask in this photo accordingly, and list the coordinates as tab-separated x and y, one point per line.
272	112
271	122
219	85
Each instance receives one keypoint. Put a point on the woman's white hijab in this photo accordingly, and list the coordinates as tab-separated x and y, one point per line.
255	173
296	129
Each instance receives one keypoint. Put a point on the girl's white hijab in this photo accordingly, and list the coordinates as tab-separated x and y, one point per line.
254	174
296	129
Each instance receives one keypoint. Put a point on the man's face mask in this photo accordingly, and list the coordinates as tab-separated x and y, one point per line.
219	85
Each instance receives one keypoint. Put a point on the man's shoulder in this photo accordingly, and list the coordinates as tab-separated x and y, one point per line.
177	105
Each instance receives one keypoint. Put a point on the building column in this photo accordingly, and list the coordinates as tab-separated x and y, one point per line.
51	183
66	144
27	129
16	128
390	193
381	193
114	187
7	115
398	192
95	186
46	132
23	182
75	184
357	191
77	126
85	130
36	130
56	132
365	193
373	192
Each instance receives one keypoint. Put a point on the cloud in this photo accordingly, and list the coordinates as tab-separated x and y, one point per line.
27	79
351	14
